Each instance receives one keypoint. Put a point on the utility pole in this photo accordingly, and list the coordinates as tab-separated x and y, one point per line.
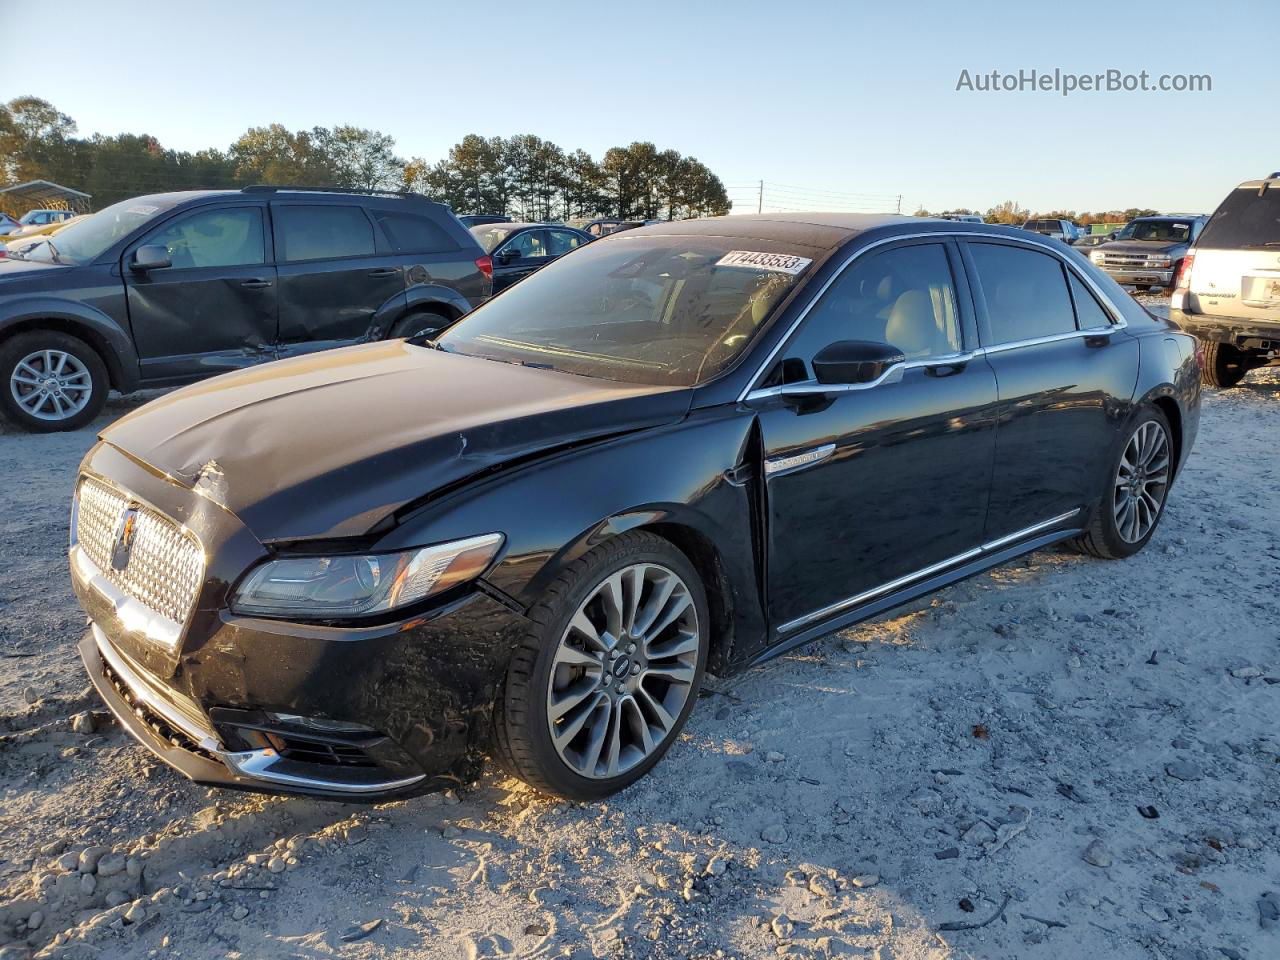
760	202
899	203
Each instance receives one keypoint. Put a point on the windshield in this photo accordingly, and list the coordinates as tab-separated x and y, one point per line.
651	309
1166	231
85	240
489	236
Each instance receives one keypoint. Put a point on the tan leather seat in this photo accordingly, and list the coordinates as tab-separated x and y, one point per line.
914	328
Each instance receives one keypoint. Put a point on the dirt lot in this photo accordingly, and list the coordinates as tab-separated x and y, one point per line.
989	756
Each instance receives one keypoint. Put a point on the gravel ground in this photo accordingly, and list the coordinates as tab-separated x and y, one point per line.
1061	758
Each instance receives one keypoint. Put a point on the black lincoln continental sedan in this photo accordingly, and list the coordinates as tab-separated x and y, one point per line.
686	448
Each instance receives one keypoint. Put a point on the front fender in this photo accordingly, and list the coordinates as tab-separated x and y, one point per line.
96	326
678	480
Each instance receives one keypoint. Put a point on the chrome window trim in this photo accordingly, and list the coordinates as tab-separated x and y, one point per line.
751	391
989	547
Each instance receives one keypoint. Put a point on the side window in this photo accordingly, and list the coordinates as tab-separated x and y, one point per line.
1089	312
560	242
410	233
1025	290
321	232
226	237
905	297
528	245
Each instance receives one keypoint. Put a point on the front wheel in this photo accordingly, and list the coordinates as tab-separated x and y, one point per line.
52	381
609	672
1138	483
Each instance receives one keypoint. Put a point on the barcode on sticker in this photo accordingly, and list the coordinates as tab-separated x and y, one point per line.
752	260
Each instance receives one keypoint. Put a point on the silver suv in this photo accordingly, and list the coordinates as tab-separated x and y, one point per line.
1228	291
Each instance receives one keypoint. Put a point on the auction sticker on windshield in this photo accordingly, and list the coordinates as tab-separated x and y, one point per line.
777	262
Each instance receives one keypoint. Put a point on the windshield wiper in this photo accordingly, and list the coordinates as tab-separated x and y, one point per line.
53	250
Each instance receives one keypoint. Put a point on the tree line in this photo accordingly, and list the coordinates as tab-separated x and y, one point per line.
522	176
1011	213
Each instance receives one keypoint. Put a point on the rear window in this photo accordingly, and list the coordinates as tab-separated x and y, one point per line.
1245	219
1026	292
410	233
321	232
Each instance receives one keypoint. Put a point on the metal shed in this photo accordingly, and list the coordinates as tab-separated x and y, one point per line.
43	195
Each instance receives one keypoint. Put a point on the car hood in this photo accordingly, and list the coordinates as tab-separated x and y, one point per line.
1142	246
328	444
13	269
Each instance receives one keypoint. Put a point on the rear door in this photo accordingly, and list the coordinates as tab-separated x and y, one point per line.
1236	272
214	308
336	274
1064	373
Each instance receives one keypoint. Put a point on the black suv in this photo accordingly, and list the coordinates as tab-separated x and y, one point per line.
170	288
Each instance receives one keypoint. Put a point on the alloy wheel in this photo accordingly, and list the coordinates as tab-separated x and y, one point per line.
623	671
51	384
1142	479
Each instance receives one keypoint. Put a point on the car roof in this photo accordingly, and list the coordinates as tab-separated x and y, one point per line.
511	225
820	230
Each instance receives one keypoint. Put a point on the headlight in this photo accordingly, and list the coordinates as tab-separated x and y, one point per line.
357	586
1095	256
1160	261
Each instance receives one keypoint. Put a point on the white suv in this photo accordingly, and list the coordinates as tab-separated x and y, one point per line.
1228	291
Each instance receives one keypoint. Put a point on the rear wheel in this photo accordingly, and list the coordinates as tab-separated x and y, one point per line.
1138	484
604	681
52	381
424	323
1224	365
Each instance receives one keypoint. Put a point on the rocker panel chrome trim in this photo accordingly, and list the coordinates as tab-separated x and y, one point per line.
924	573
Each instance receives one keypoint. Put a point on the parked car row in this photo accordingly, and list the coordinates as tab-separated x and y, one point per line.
32	218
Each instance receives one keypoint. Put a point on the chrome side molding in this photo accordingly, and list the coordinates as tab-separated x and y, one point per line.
776	465
989	547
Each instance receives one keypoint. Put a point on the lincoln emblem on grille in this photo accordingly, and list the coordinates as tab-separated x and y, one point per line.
122	544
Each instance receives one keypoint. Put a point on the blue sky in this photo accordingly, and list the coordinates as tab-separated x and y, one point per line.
837	101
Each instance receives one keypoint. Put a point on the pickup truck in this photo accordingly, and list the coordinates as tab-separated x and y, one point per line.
1148	251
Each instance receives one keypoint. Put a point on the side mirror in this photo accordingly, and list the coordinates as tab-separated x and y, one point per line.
150	256
507	255
855	361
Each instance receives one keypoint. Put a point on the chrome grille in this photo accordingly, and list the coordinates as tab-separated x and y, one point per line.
166	564
1140	260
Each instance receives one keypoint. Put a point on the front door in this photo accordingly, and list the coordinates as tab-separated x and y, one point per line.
213	308
335	276
1064	380
518	257
873	483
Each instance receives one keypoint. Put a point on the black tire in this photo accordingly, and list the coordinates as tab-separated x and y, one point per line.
18	348
423	323
522	737
1224	365
1102	538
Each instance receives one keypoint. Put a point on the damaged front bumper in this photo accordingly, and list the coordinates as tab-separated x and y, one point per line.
174	730
367	711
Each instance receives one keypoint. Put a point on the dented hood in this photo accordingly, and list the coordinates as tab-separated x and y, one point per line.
328	444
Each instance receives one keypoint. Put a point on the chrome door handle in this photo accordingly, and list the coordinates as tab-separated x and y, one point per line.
255	284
